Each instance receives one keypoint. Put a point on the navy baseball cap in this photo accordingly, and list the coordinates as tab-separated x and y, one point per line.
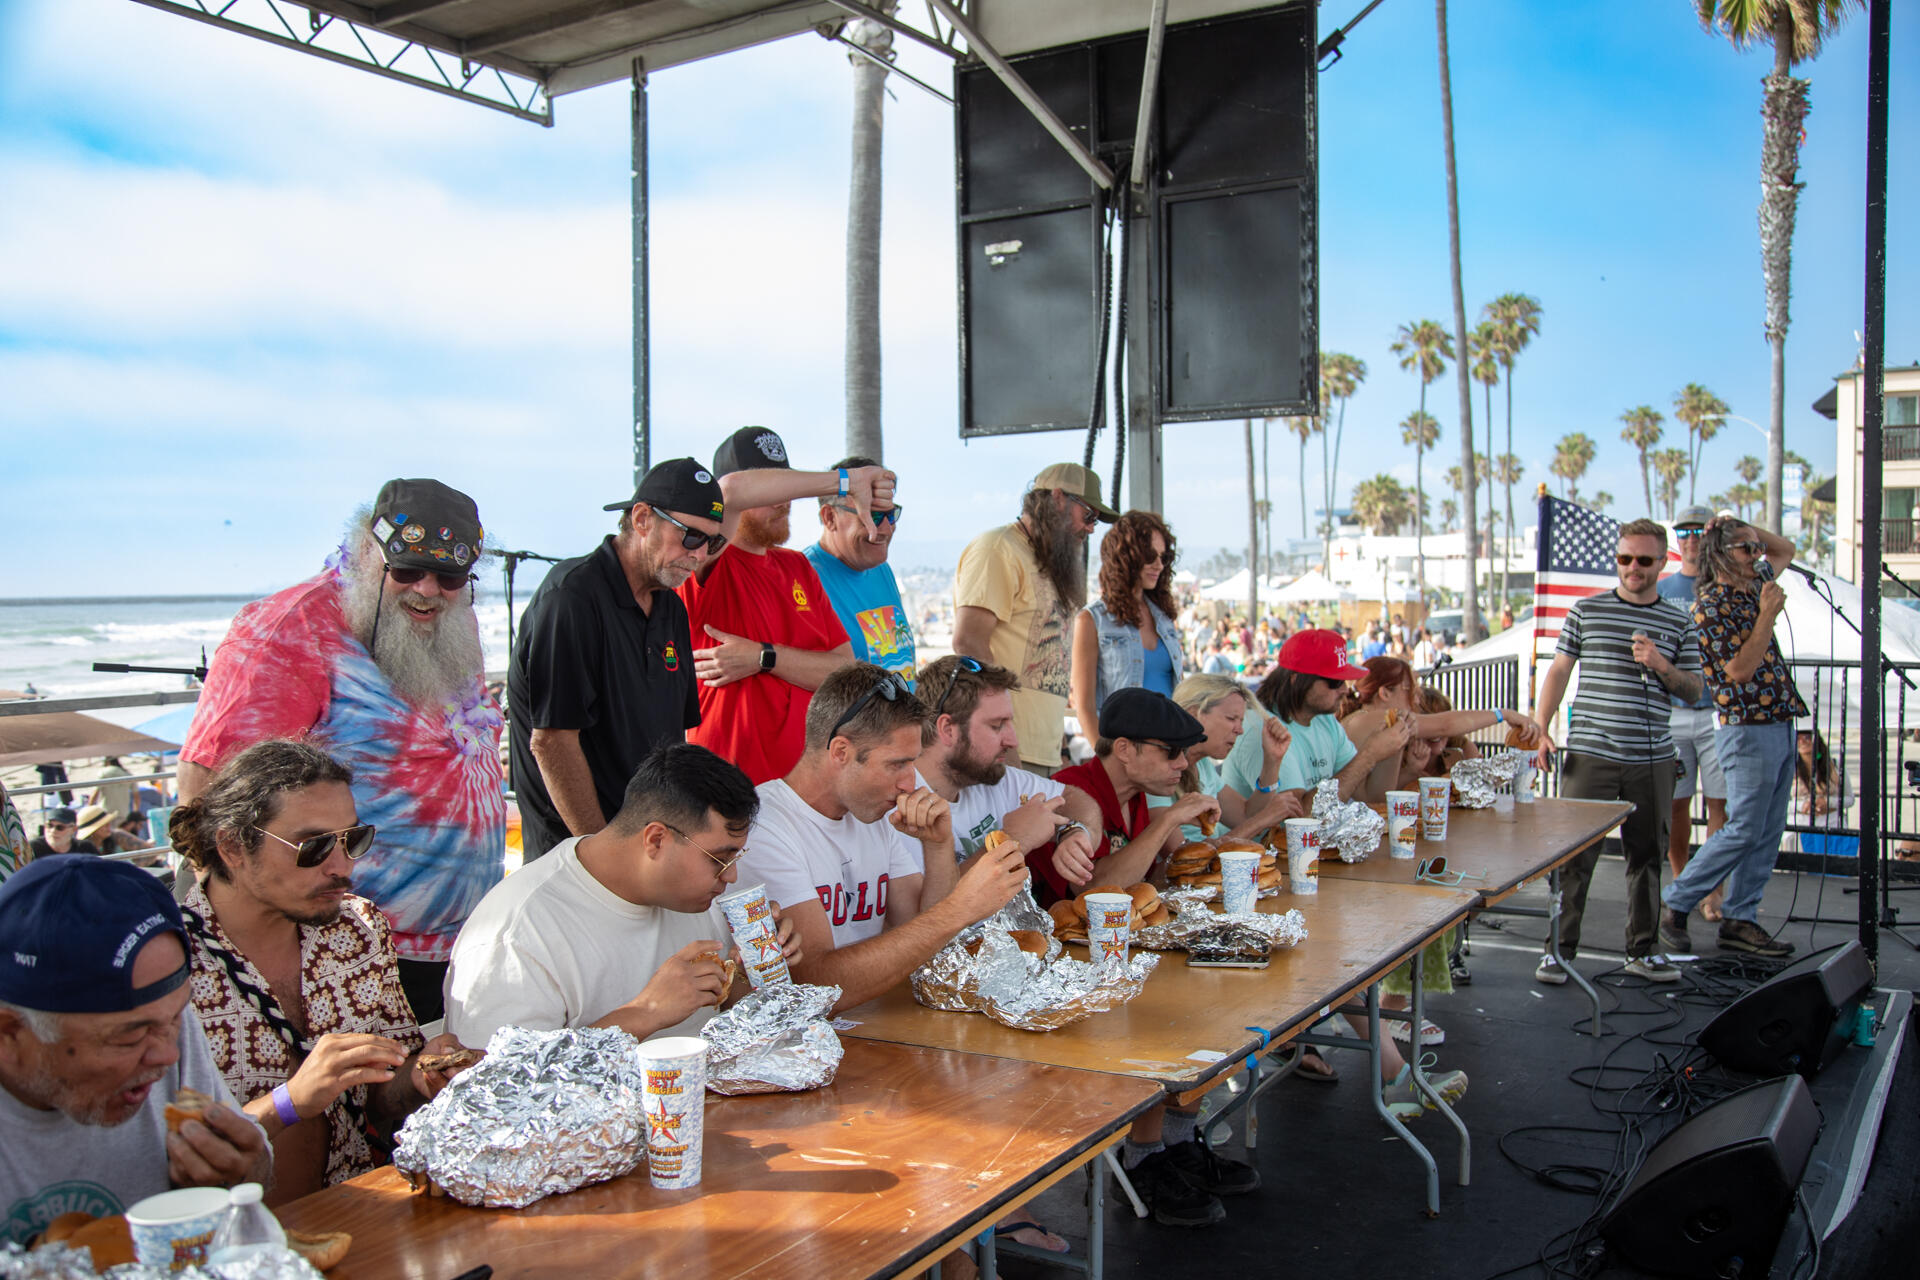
70	927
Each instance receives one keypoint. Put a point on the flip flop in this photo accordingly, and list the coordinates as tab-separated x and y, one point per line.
1324	1074
1028	1224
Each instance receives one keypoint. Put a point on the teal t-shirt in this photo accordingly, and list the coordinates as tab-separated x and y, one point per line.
1320	749
868	605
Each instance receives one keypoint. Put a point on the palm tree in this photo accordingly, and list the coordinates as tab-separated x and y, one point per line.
1305	428
1253	535
1381	504
1483	345
1672	466
1470	601
1747	493
1813	513
863	233
1449	512
1703	412
1508	470
1420	430
1266	488
1600	501
1518	317
1572	455
1340	376
1642	431
1795	29
1424	346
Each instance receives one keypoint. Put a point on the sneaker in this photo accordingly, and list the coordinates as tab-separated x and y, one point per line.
1213	1171
1175	1199
1462	976
1654	968
1673	931
1407	1102
1745	935
1550	972
1430	1033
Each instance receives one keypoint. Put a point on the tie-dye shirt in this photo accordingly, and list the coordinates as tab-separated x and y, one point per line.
428	778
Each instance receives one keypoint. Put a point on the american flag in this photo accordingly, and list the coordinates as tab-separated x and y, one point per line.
1576	550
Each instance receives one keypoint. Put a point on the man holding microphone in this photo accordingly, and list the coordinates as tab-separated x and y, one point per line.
1736	607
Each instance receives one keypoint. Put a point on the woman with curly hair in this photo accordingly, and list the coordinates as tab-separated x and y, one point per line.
1127	638
1390	686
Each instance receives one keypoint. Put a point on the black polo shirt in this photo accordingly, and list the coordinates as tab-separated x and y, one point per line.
588	658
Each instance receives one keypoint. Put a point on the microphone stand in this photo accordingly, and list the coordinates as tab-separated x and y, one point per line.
122	668
512	561
1825	593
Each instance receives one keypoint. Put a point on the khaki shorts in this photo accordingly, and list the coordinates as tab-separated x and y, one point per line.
1693	738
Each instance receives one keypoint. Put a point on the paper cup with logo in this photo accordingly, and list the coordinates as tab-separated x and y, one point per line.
1403	822
1239	880
749	914
173	1230
1435	795
675	1068
1523	779
1303	855
1109	926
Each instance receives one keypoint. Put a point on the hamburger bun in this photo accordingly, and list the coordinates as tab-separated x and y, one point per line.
1031	941
1068	918
1207	824
1518	735
994	839
1393	717
188	1104
109	1240
1240	846
448	1061
323	1249
1198	879
62	1227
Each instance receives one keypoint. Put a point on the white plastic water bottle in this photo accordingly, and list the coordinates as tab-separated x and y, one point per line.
250	1227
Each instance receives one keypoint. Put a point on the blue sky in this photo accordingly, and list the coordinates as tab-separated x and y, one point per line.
239	288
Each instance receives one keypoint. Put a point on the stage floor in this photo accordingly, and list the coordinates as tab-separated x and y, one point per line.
1341	1199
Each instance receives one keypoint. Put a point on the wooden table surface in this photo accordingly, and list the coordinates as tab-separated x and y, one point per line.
1190	1025
907	1152
1541	836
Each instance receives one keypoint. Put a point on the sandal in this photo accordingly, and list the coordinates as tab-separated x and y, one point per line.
1011	1230
1315	1069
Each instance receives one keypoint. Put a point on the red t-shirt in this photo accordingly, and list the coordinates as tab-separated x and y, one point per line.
759	723
1120	826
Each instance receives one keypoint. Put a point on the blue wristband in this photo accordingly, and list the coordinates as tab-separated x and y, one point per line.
846	483
1266	791
283	1106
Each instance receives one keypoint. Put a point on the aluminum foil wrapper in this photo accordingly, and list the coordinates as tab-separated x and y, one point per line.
1196	926
1474	780
58	1262
1020	989
774	1040
1349	828
544	1112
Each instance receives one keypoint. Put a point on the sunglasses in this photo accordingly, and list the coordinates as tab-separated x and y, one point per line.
1645	562
1434	871
890	686
890	516
1086	508
314	850
447	581
1686	534
1332	682
965	664
691	538
724	864
1751	548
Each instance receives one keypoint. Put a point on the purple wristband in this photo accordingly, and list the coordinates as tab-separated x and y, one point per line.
283	1106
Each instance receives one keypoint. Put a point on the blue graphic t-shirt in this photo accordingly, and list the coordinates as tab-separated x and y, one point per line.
869	607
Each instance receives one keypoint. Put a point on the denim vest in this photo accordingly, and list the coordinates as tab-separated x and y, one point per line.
1123	659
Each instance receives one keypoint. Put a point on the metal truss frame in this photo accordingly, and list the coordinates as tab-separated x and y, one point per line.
397	53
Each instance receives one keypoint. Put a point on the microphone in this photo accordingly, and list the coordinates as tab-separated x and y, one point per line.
1646	673
1763	569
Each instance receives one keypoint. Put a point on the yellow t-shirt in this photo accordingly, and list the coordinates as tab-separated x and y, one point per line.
998	573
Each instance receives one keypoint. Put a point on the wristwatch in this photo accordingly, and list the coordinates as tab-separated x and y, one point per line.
1067	828
768	656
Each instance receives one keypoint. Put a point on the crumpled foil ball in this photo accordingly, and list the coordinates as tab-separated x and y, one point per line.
774	1040
1349	828
1475	780
58	1262
1196	926
544	1112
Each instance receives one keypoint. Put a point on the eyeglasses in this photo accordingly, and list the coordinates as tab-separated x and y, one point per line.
890	516
447	581
58	826
1434	871
1086	508
314	850
964	664
1173	752
1645	562
691	538
890	686
1687	534
724	864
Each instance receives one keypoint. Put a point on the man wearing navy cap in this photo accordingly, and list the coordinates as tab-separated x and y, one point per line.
602	669
95	1040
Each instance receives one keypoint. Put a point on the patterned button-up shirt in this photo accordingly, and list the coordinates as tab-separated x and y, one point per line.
1726	615
349	981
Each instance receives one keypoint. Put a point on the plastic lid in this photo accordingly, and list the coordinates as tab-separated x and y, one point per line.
245	1193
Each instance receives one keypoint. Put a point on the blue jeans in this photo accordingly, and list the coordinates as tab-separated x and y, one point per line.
1757	760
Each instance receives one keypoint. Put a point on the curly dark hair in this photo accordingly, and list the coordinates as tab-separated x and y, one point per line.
1124	553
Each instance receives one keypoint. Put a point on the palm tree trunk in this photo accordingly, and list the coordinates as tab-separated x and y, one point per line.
1782	111
1303	488
1508	485
1266	481
1493	608
1646	481
1470	614
1326	523
863	246
1253	535
1333	479
1419	504
1693	461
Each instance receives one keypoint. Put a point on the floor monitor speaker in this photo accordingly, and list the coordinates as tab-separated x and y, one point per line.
1713	1197
1792	1022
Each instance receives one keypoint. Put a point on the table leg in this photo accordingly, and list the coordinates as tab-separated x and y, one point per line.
1420	1075
1126	1183
1553	949
1372	1042
1097	1216
986	1255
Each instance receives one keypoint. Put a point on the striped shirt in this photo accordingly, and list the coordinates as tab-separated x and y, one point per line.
1620	712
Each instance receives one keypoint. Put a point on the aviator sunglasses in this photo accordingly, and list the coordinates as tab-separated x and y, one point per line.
314	850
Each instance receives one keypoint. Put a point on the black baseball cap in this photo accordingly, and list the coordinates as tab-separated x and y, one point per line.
423	524
61	814
1141	715
73	924
751	448
678	484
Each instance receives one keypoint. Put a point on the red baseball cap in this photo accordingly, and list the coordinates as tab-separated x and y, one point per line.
1319	653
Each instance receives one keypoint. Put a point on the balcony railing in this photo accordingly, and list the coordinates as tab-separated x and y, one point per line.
1900	537
1900	444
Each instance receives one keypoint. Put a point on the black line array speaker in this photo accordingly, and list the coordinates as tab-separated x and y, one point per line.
1792	1022
1713	1197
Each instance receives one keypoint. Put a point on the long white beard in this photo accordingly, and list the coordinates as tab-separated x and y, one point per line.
429	667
